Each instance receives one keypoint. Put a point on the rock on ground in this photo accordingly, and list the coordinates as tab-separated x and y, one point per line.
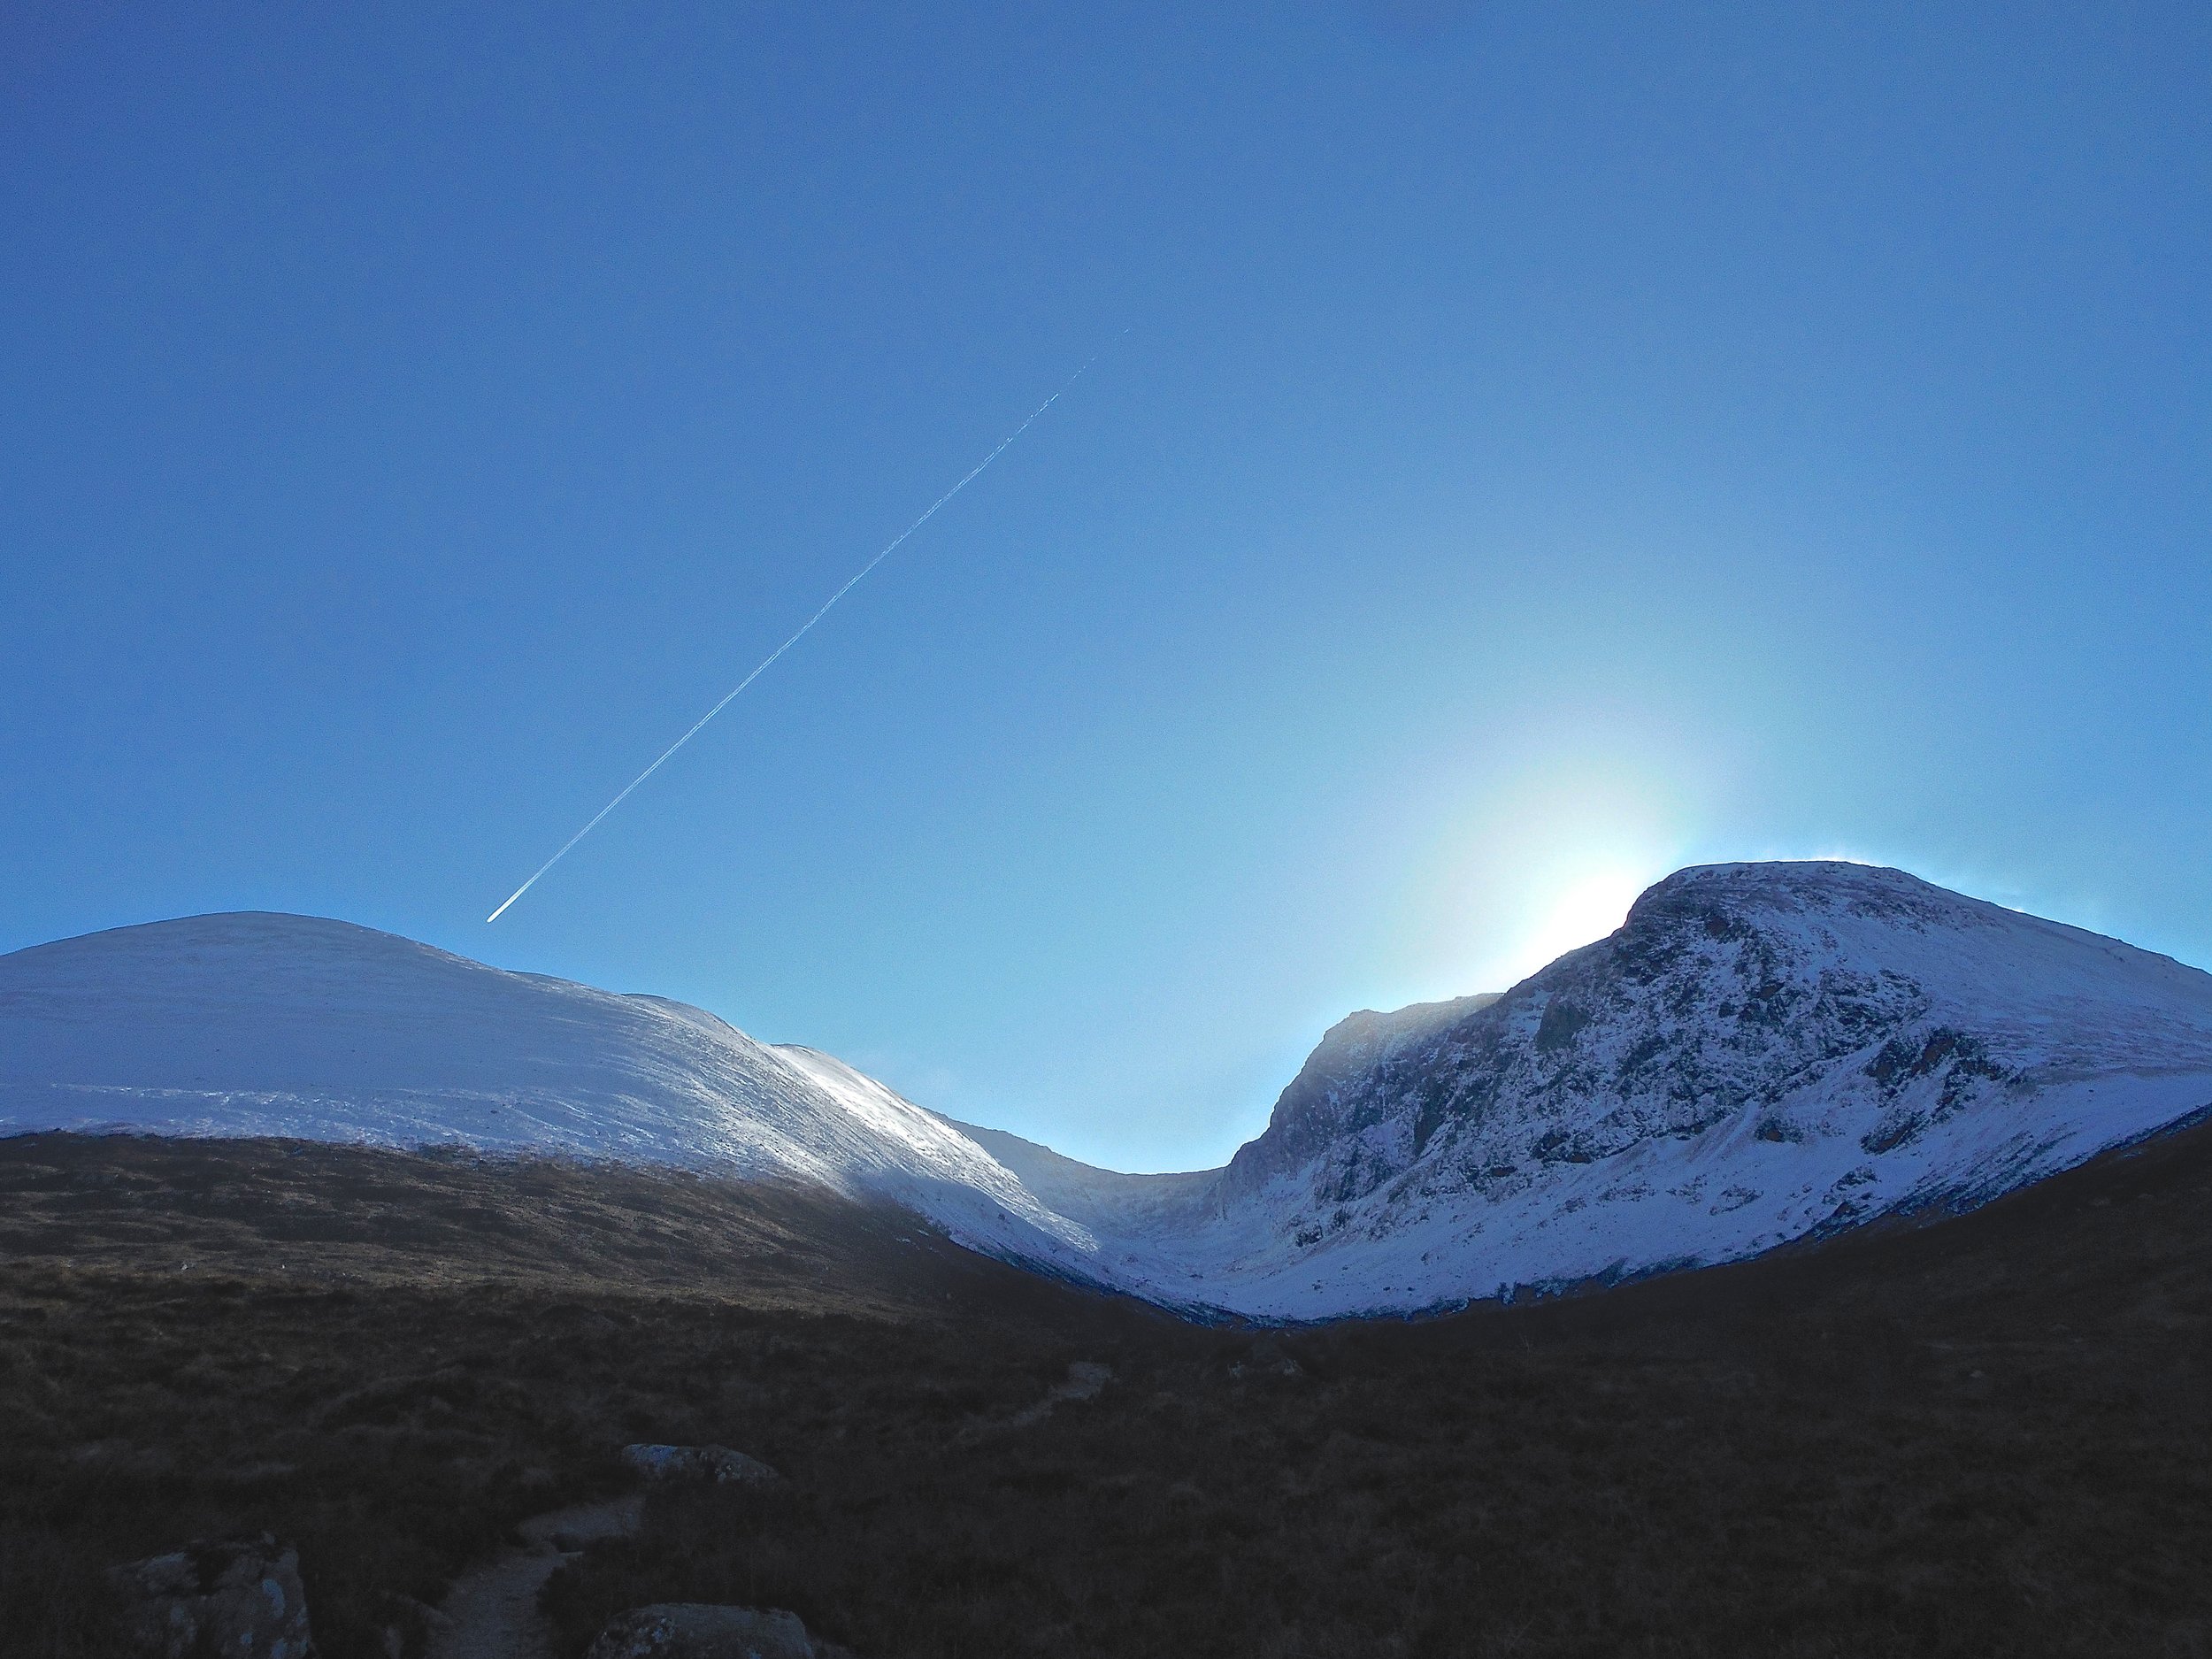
240	1598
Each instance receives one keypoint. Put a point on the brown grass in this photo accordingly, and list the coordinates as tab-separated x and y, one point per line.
1992	1435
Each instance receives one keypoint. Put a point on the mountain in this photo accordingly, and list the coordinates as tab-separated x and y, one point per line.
252	1025
1761	1053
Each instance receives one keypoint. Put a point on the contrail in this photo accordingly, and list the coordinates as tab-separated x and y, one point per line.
889	549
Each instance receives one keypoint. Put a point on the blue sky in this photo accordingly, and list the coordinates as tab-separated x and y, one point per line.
1550	445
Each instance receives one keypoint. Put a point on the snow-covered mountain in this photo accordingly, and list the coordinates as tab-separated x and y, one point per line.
1760	1053
270	1025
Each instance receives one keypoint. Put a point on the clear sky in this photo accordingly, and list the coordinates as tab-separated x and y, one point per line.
1552	443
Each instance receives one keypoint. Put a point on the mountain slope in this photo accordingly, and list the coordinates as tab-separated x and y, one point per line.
266	1025
1083	1193
1981	1437
1761	1052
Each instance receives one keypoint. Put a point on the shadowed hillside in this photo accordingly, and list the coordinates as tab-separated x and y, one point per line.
309	1212
1989	1434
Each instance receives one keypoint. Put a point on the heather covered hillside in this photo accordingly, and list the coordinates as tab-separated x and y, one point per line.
1985	1435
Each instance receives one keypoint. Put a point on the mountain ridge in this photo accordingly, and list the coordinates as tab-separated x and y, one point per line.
256	1023
1845	1039
1761	1053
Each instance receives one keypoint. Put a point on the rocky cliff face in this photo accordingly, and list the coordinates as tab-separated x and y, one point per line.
1761	1051
1730	990
1342	1107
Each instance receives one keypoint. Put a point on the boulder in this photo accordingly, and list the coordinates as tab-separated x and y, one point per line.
696	1463
235	1597
697	1630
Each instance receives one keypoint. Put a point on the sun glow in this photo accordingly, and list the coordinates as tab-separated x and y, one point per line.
1586	910
1532	861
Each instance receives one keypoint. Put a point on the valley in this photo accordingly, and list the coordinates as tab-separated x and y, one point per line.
1986	1433
1819	1264
1761	1053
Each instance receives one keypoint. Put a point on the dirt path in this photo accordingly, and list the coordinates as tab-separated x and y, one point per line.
494	1607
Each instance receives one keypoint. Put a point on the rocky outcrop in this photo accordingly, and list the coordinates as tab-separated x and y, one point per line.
1338	1093
1761	1052
714	1463
241	1598
692	1630
1802	1000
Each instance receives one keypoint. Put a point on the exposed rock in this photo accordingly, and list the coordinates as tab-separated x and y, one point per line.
236	1597
716	1463
1761	1052
697	1630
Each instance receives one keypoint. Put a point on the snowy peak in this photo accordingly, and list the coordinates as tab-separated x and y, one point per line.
1759	1051
256	1002
269	1024
1731	990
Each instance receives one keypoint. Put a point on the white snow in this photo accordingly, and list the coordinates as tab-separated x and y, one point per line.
1671	1127
1761	1052
269	1024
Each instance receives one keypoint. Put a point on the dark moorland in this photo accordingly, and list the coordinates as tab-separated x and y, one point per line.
1989	1434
